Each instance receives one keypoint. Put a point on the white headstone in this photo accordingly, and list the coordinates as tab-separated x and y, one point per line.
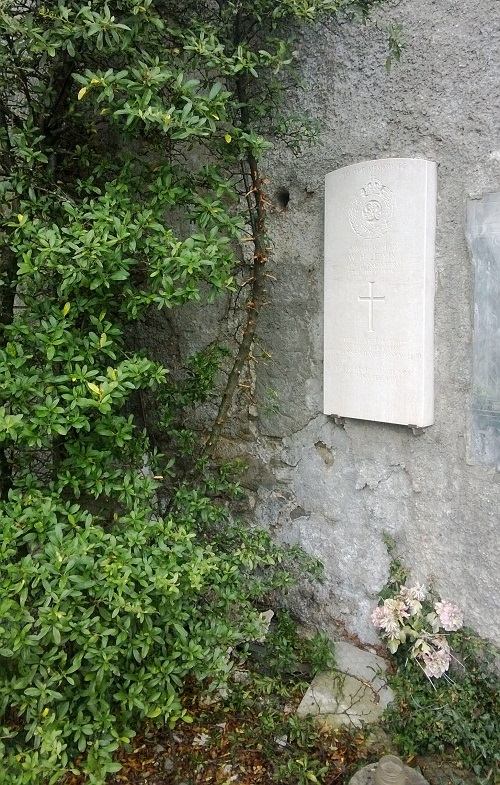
380	221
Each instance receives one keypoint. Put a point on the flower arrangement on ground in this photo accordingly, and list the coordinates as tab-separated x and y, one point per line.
405	619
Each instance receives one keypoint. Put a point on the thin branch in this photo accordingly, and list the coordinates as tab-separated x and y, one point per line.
256	204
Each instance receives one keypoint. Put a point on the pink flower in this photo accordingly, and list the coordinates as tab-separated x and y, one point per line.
390	617
436	662
378	616
451	617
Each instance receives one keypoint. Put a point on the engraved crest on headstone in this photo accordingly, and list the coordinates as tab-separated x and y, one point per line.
371	210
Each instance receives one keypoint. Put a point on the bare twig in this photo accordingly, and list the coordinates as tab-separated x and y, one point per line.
256	204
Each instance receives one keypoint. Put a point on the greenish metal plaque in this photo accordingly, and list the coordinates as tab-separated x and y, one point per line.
483	235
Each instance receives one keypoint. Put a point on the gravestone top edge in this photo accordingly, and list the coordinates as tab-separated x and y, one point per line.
380	161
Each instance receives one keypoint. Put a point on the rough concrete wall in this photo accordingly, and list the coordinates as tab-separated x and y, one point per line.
337	489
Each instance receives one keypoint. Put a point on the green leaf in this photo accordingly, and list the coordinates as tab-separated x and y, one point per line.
119	275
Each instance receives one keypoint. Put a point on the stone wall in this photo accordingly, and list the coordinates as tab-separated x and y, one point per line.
336	489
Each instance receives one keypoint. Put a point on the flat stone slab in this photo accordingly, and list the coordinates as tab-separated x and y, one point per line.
355	693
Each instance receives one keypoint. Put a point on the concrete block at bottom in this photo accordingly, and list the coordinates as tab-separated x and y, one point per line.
356	693
369	775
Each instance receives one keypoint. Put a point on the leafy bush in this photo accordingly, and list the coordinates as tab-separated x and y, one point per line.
103	624
128	129
457	715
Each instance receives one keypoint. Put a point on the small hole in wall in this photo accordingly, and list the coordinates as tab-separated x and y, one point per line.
282	198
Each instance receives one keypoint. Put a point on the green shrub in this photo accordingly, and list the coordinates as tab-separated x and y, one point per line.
102	624
128	131
454	710
458	716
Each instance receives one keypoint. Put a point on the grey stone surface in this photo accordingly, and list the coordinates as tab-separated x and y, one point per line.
355	693
440	103
336	489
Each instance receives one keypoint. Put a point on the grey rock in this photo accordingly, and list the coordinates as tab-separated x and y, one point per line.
355	693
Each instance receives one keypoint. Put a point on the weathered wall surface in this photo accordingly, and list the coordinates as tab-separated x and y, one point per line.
337	489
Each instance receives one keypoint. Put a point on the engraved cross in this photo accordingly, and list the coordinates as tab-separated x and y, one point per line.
371	299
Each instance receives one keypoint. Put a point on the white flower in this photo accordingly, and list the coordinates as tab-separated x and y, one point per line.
418	592
392	628
397	609
401	621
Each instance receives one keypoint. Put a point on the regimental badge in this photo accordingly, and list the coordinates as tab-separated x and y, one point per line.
372	210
